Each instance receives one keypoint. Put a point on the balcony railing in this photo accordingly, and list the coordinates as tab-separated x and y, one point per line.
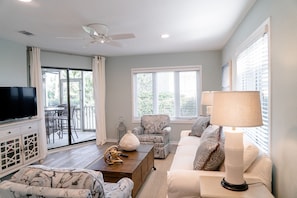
84	119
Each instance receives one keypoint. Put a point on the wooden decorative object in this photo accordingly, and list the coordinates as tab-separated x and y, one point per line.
112	154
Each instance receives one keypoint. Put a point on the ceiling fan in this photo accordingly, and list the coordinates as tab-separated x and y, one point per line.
99	34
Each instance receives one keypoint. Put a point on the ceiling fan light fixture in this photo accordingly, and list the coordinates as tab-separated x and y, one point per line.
165	36
25	1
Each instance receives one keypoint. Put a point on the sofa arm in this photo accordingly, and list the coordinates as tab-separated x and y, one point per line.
177	187
138	130
122	189
261	169
12	189
184	133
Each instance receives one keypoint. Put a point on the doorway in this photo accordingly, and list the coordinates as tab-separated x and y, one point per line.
69	106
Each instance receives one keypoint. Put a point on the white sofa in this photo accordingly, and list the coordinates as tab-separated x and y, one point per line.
183	180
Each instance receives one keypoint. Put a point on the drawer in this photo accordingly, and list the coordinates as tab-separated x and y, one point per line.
6	132
29	127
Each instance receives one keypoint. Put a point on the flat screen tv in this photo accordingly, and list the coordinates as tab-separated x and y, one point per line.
17	103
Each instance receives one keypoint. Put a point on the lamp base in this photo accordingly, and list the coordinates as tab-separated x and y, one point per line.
234	187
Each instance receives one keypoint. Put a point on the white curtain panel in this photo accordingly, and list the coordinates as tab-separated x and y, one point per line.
36	81
98	67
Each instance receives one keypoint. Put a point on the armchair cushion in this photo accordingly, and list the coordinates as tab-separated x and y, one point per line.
10	189
43	176
39	181
154	123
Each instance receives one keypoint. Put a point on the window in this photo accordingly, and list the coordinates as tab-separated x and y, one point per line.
170	90
253	74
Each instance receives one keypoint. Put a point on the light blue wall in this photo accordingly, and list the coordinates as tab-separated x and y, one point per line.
13	64
283	85
118	83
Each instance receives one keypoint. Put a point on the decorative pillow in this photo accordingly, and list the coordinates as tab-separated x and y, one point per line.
250	154
199	126
209	156
212	132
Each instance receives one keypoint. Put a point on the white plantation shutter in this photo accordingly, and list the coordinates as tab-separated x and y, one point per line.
252	74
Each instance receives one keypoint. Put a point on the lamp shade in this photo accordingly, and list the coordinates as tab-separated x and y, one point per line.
206	98
236	109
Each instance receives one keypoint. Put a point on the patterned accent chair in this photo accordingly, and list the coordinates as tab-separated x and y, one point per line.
155	129
39	181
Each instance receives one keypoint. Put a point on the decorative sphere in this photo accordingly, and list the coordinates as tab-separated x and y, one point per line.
129	141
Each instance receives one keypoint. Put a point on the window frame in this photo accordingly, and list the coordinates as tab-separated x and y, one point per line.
264	28
197	68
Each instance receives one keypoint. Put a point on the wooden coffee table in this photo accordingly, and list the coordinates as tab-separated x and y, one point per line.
136	166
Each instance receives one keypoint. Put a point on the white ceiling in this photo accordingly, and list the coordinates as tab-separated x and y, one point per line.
194	25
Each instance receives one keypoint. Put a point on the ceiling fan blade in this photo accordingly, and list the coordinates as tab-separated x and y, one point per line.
89	30
122	36
113	44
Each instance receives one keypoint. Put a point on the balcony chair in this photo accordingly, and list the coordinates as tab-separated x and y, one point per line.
62	120
40	181
155	129
50	126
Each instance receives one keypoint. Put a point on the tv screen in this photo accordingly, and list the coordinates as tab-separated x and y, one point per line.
17	102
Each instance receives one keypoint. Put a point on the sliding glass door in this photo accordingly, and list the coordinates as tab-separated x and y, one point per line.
69	106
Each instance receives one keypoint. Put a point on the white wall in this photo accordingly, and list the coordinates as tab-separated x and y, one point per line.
118	83
61	60
283	85
13	64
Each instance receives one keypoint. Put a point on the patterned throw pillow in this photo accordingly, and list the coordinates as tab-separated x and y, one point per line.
199	126
211	132
209	156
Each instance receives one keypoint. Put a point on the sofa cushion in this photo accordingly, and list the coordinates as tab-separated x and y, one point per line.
209	156
250	153
199	126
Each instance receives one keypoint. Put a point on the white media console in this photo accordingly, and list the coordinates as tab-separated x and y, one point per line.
19	145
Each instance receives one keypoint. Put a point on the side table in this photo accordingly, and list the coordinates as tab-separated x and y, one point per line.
210	187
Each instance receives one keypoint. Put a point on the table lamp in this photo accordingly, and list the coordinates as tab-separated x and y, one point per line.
235	109
207	100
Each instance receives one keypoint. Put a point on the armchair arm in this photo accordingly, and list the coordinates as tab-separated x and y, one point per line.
138	130
166	129
122	189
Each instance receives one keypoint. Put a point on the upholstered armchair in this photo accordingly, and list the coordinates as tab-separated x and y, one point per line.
39	181
155	129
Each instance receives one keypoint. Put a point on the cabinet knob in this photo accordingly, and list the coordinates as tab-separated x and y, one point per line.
9	132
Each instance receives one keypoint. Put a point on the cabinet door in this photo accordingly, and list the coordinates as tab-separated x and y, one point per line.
10	153
30	146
